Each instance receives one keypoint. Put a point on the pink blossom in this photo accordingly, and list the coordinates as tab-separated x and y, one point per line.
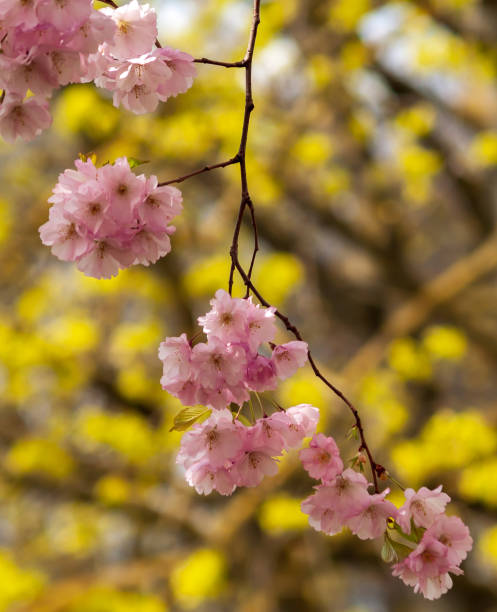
322	459
217	440
14	13
136	29
135	81
453	533
289	357
323	516
23	119
371	521
21	74
101	218
140	81
332	505
422	507
217	363
67	66
91	209
149	246
205	479
175	354
237	320
297	422
104	260
218	374
187	393
266	434
426	568
253	467
160	205
125	189
64	14
93	32
49	43
245	455
215	397
182	72
261	374
431	588
261	327
62	235
227	319
350	492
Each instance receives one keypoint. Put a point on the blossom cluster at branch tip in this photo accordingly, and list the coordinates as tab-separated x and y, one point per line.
443	544
228	366
108	218
46	44
342	499
436	543
222	454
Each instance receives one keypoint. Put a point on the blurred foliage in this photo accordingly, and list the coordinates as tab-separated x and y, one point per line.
372	163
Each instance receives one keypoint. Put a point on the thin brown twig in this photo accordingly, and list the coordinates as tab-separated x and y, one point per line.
205	60
249	107
256	243
180	179
246	201
376	469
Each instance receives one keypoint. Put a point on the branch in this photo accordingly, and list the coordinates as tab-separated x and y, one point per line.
376	469
246	202
249	107
204	60
180	179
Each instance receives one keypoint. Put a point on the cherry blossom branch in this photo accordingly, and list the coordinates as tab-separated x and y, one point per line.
249	107
256	242
377	470
246	202
205	60
180	179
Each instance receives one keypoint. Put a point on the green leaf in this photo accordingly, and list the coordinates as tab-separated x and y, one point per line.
243	419
188	416
401	550
133	162
388	553
412	537
353	434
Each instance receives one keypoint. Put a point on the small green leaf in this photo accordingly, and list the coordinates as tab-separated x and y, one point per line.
411	537
401	550
133	162
188	416
243	419
388	553
353	434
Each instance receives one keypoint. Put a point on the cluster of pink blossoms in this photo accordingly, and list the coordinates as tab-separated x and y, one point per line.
130	65
108	218
342	500
228	366
45	44
443	542
222	454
